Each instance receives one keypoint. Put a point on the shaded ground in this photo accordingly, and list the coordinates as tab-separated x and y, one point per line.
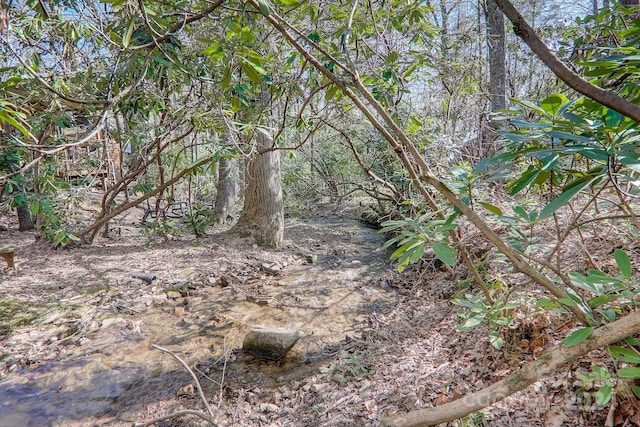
376	342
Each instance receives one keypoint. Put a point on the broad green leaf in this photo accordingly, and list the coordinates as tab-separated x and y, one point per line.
550	162
564	198
161	60
496	340
631	372
491	208
636	390
553	103
613	118
624	354
250	72
471	323
603	396
445	253
264	7
529	105
578	336
567	136
524	180
602	300
519	210
624	263
126	37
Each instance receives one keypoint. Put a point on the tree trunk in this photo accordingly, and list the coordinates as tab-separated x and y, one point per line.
25	221
497	59
262	216
226	189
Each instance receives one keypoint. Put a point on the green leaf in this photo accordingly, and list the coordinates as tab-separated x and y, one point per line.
577	336
613	118
603	396
471	323
496	340
491	208
529	105
126	37
445	253
624	263
564	198
632	372
624	354
264	7
553	103
636	390
602	300
250	72
524	180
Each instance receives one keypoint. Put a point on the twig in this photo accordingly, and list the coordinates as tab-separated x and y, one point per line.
177	414
200	392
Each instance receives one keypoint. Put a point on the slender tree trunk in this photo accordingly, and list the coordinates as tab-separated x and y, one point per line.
226	189
497	60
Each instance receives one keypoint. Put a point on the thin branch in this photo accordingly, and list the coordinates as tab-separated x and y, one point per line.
195	378
175	415
195	17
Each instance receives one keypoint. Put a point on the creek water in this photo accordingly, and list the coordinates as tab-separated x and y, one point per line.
115	375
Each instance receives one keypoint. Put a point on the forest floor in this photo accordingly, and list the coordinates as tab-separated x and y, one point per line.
76	330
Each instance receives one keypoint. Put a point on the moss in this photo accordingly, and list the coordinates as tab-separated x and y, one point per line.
15	314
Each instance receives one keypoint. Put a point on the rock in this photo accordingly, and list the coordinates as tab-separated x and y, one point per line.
270	343
113	321
339	378
272	268
320	388
268	408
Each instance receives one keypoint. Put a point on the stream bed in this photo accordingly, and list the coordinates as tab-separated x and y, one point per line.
112	375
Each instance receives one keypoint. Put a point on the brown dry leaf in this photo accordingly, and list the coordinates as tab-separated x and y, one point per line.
179	311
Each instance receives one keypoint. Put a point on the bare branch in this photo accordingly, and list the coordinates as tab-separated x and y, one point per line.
195	378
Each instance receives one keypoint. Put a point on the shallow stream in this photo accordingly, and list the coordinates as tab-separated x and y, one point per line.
114	376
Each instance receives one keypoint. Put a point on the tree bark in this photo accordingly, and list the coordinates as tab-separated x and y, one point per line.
547	363
226	189
262	216
497	58
25	220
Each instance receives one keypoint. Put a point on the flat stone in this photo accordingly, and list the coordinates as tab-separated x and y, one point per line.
112	321
270	343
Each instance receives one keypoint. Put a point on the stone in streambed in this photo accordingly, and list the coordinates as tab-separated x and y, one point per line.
270	343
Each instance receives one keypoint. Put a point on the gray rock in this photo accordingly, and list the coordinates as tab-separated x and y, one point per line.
270	343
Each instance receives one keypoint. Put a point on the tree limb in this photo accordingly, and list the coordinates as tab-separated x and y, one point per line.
548	362
573	80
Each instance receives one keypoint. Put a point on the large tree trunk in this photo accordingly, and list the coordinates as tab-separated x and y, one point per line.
497	59
262	216
226	189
